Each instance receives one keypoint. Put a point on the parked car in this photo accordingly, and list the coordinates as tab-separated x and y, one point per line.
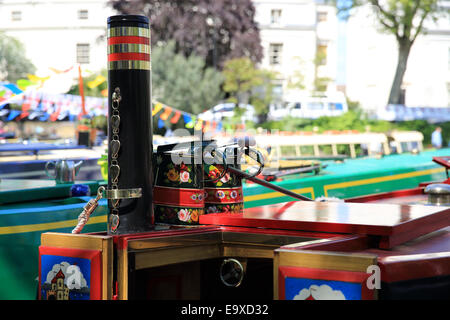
309	107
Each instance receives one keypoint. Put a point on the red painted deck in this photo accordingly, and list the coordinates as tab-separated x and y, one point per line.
395	224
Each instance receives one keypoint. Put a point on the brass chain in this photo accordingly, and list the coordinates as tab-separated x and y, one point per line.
114	168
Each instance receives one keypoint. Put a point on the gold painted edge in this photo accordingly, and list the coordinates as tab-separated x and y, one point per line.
128	31
122	274
341	261
129	65
129	47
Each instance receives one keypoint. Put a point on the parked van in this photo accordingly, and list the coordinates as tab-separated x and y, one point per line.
226	110
300	106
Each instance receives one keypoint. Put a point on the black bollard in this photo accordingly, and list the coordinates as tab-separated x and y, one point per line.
129	125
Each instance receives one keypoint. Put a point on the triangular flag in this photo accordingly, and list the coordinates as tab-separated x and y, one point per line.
13	114
156	109
191	123
165	115
160	123
96	82
35	78
176	117
206	126
14	89
60	71
199	125
187	118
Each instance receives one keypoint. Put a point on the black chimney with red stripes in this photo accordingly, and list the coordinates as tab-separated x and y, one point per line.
129	125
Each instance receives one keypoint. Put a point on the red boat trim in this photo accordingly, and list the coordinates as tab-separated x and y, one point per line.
342	244
414	266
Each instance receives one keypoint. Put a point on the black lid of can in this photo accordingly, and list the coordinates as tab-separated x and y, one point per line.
127	18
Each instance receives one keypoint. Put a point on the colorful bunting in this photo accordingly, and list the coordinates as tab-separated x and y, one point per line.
34	78
206	126
199	125
38	105
165	115
81	88
96	82
157	108
191	124
176	117
60	71
13	114
187	118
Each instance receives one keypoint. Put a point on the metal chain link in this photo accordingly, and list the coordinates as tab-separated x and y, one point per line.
114	168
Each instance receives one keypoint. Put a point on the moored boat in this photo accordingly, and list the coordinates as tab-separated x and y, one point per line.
299	249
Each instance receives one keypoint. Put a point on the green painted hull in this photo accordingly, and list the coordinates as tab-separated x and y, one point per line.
355	177
21	226
22	223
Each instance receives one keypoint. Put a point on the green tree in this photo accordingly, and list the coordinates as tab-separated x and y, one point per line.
297	78
320	83
246	84
14	65
184	83
405	20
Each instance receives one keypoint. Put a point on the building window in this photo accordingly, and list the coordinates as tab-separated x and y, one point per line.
82	14
82	52
16	15
322	16
275	51
321	55
275	16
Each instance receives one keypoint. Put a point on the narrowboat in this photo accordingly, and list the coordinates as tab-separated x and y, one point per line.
301	250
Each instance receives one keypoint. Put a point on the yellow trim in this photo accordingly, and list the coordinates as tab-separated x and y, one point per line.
129	64
326	188
277	194
48	226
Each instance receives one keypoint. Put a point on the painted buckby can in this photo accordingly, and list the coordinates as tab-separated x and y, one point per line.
178	186
223	191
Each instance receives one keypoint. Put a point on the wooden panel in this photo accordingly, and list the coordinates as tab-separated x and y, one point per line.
69	240
87	242
107	268
325	260
232	250
122	274
154	258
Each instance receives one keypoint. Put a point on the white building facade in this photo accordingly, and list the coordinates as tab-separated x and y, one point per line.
59	34
371	61
302	40
299	39
360	60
